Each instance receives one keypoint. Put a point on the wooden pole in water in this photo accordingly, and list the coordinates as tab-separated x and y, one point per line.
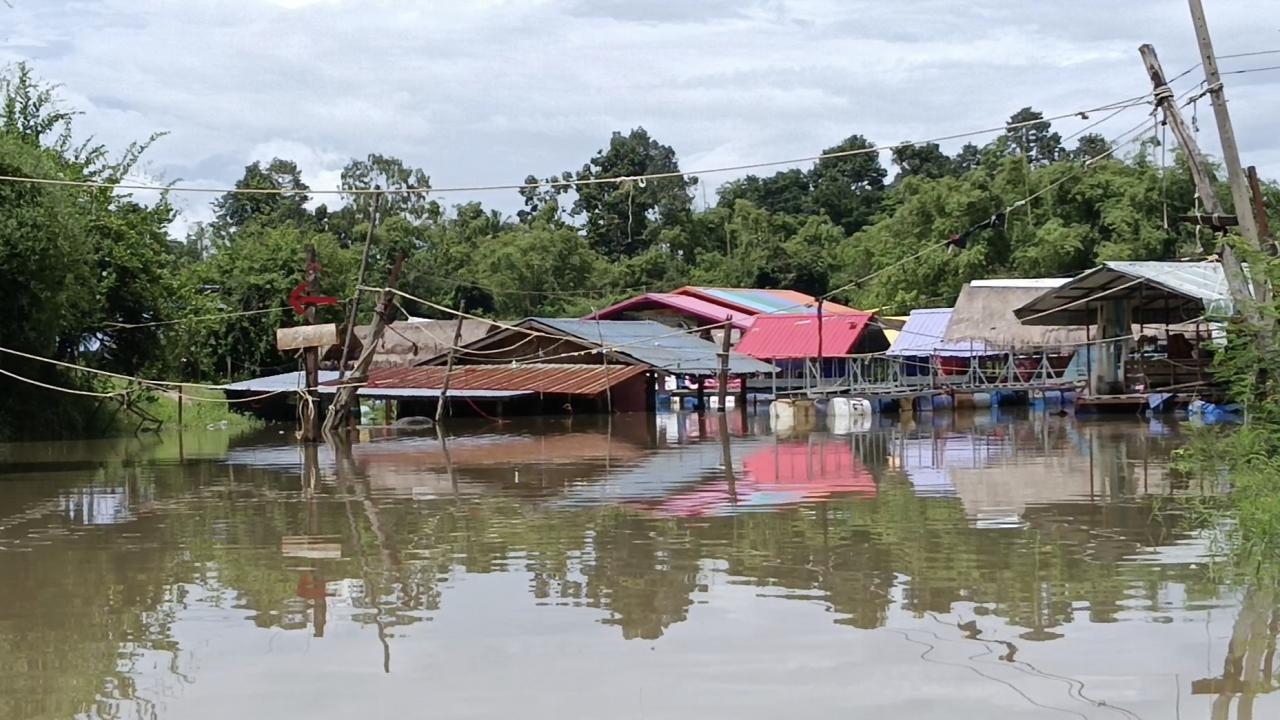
346	395
821	374
722	379
448	367
311	358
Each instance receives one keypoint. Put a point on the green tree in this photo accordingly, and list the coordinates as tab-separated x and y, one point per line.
283	198
78	262
624	218
849	188
925	160
1035	141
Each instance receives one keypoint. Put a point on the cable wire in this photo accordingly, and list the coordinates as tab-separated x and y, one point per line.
617	180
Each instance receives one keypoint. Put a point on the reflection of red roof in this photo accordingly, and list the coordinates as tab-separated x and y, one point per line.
547	378
785	474
784	337
687	305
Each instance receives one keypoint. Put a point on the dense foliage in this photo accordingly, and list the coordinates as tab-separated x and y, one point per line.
86	267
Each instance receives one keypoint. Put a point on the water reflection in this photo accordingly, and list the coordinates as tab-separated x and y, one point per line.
985	558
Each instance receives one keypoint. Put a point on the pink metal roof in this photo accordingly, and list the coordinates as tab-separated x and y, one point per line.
686	304
762	301
552	379
789	337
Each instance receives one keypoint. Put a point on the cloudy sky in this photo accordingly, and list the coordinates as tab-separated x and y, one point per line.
488	91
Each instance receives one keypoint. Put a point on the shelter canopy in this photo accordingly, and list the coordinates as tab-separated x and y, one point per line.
1157	293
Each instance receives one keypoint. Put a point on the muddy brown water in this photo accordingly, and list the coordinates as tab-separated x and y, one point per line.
978	566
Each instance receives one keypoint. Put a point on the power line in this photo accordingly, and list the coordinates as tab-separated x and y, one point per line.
1247	54
1249	70
1128	102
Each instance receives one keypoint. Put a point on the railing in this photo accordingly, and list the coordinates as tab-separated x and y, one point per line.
881	374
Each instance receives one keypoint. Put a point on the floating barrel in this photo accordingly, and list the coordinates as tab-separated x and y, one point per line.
942	402
713	402
848	424
1046	397
971	400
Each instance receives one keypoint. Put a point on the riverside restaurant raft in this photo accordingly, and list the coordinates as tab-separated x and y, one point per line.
1125	336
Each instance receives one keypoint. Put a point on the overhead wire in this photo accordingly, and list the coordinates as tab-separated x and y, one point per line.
617	180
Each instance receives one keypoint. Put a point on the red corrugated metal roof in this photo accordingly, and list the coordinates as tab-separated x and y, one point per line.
552	379
787	337
687	304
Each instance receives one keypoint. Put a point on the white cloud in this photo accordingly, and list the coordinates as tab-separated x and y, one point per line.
488	92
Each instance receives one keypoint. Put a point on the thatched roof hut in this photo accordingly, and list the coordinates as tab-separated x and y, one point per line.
984	313
408	342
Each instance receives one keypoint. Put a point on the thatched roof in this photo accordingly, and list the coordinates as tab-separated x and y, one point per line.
984	312
407	342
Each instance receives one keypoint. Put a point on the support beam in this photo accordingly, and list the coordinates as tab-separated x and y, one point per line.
448	368
345	398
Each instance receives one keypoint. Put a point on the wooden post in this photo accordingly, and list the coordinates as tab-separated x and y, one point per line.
448	368
355	300
346	395
1260	213
821	374
1237	284
722	379
311	358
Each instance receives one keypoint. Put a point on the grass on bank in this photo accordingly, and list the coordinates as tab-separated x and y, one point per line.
202	408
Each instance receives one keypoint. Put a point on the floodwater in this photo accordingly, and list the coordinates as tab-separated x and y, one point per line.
977	566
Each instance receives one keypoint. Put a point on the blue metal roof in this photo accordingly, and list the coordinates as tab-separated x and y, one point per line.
279	383
654	344
923	334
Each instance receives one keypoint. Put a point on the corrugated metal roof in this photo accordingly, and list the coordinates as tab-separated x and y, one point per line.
687	304
787	337
278	383
1045	283
925	333
762	301
552	379
399	392
1158	293
652	344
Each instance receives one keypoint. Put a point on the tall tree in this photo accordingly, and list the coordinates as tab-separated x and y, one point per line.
1033	137
925	160
848	188
413	201
623	218
283	200
783	192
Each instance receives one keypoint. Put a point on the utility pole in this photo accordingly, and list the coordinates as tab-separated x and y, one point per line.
1237	282
448	368
1240	195
311	357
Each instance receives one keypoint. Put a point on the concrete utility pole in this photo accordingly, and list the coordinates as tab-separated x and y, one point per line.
311	357
1237	282
1240	194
